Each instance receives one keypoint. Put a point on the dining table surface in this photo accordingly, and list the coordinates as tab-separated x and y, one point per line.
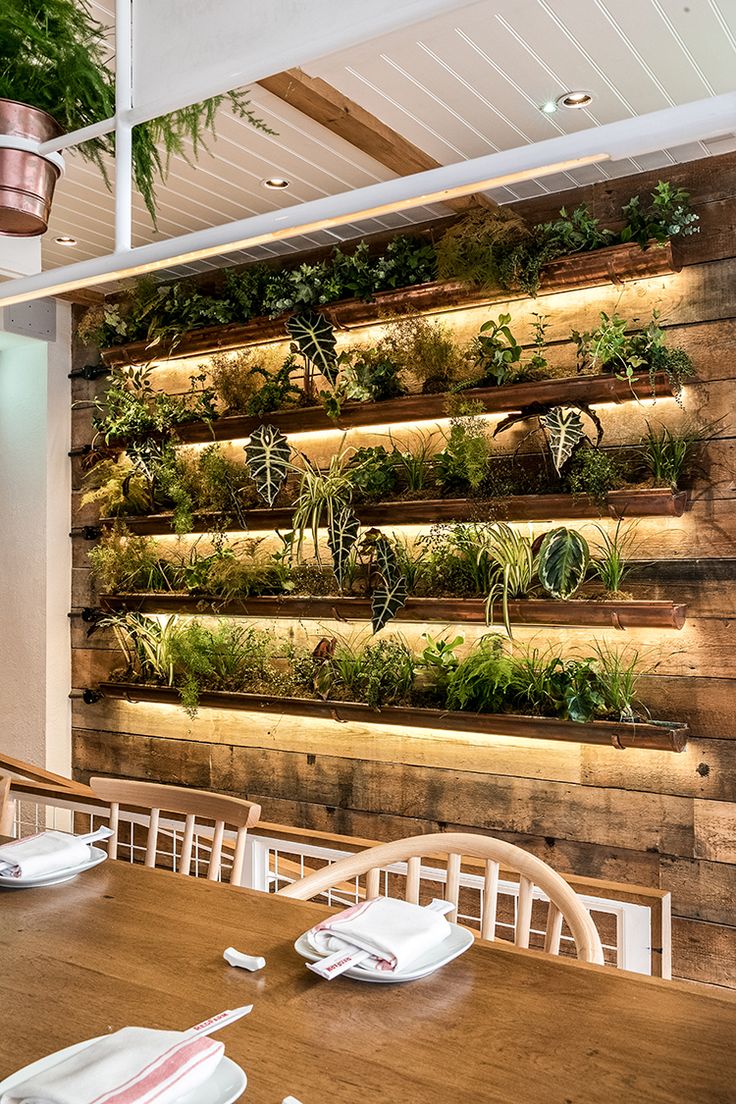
127	945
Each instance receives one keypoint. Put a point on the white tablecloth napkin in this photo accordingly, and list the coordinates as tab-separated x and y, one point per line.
395	932
132	1066
44	853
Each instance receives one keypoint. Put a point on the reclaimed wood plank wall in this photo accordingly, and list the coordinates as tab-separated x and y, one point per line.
657	819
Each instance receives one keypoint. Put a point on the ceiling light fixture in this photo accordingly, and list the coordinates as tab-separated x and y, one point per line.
549	107
64	239
277	182
575	99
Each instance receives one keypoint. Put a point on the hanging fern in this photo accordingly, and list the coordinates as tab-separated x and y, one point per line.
267	456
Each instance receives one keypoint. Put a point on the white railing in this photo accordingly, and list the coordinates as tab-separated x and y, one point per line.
625	926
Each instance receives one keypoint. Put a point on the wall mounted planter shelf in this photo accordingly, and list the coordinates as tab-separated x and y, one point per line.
659	736
579	270
649	502
530	611
419	407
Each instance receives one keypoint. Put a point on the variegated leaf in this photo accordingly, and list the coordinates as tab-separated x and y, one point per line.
315	339
386	601
267	457
564	428
341	537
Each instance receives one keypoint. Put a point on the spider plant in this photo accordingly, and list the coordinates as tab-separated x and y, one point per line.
614	552
321	495
146	643
537	680
515	561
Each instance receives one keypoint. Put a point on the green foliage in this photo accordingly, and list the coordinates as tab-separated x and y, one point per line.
486	248
424	350
133	410
512	555
594	472
563	562
669	454
314	338
267	456
233	378
496	354
369	375
577	232
667	215
321	495
379	674
226	657
612	555
277	392
607	347
564	428
391	593
123	563
116	487
341	538
480	682
373	472
462	464
618	674
415	464
55	57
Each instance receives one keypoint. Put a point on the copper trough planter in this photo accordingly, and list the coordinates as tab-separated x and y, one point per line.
27	180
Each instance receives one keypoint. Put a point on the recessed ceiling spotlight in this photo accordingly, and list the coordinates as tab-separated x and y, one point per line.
64	239
575	99
275	182
549	107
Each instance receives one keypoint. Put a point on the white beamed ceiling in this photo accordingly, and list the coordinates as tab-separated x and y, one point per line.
459	86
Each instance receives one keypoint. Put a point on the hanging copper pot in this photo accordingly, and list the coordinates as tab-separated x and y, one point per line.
27	180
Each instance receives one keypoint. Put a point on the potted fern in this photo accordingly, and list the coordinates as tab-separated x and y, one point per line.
55	77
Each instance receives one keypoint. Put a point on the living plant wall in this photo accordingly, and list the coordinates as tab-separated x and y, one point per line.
434	490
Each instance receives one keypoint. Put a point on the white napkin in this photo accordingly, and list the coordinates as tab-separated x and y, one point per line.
132	1066
44	853
395	932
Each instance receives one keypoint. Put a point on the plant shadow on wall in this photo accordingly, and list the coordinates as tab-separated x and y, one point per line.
56	57
488	249
491	677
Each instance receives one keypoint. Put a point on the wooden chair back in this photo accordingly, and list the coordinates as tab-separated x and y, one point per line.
7	806
194	805
564	903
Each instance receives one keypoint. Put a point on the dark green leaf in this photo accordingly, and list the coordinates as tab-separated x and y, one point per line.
315	339
341	537
386	601
267	456
563	562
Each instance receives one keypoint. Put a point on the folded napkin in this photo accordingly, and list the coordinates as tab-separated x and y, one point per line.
44	853
395	933
132	1066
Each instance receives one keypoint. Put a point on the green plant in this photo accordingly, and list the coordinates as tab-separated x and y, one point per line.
480	681
277	391
462	464
234	378
342	535
512	554
618	674
116	487
608	347
416	462
379	674
438	659
146	644
132	410
537	680
321	495
577	232
669	454
225	657
268	458
611	563
424	350
486	248
124	563
668	214
218	483
562	426
538	364
372	472
391	593
562	563
56	58
496	353
594	472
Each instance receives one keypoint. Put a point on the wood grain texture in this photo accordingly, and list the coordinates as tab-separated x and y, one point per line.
328	1041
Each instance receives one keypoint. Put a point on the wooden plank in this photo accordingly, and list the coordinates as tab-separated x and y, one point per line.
703	952
342	116
701	890
584	813
715	831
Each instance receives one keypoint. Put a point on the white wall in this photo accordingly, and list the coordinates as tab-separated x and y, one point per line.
35	550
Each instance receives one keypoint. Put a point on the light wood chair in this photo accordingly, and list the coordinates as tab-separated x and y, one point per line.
7	807
195	805
564	903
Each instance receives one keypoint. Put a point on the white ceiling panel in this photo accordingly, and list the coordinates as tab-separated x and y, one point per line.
458	86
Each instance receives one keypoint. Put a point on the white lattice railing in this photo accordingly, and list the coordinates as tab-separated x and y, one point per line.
632	921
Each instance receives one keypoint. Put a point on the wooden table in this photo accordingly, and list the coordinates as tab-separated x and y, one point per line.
126	945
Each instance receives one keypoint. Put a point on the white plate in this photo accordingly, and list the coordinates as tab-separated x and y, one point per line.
456	944
224	1086
58	876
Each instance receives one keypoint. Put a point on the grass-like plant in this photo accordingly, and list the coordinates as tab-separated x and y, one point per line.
618	675
669	454
55	56
416	462
512	554
321	494
613	552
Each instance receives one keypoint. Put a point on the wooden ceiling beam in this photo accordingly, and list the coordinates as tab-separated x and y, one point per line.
327	106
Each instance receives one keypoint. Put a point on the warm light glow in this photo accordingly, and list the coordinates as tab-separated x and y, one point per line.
575	99
64	239
276	182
